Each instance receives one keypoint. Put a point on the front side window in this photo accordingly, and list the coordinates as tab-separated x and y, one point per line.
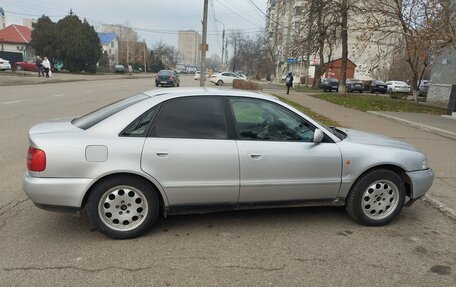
262	120
191	117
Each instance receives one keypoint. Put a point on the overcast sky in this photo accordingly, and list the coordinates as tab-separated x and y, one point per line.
154	20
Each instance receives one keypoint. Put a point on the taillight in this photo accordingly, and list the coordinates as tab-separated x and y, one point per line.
36	159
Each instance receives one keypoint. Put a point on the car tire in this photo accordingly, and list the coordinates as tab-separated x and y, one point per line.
219	83
360	92
123	207
376	198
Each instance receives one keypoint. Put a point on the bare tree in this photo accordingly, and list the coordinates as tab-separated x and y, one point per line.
236	40
166	53
419	27
318	32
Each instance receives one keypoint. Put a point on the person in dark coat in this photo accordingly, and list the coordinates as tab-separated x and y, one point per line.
289	81
39	66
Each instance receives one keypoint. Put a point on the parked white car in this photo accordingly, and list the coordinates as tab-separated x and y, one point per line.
198	75
225	78
4	64
398	87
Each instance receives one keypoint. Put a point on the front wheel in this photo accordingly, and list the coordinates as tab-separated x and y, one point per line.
123	207
376	198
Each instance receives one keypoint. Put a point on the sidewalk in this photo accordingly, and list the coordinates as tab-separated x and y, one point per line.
29	78
435	139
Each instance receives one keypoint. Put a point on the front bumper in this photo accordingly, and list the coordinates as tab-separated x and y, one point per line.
64	192
421	181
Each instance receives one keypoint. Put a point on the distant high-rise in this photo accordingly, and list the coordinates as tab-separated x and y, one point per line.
188	43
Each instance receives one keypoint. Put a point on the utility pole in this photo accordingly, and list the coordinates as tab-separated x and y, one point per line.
204	46
223	44
145	50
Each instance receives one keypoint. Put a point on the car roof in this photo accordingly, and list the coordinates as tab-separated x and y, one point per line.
198	91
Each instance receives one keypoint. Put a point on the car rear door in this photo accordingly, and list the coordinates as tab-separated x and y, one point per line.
278	160
190	155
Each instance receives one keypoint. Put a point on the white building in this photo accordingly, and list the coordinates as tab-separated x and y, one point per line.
110	44
188	46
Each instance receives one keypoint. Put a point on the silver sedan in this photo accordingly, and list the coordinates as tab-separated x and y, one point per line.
203	150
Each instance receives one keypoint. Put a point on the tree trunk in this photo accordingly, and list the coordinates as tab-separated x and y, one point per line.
344	36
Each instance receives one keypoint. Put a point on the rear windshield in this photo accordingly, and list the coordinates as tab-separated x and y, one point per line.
378	82
165	73
103	113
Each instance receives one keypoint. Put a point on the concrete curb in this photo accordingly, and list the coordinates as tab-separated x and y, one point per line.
440	206
423	127
29	81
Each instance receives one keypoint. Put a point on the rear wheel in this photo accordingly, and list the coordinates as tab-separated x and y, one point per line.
219	83
376	198
123	207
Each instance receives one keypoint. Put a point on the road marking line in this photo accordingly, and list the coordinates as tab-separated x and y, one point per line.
12	102
60	95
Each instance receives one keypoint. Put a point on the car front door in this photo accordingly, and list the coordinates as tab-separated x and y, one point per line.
278	159
190	155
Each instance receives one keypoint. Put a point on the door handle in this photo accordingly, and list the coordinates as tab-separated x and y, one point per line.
255	155
161	153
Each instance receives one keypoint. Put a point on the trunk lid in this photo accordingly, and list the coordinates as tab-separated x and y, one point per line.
62	125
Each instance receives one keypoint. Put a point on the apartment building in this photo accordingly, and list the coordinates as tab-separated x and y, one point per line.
283	31
188	46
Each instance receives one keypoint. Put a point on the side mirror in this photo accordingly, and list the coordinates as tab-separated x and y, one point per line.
318	136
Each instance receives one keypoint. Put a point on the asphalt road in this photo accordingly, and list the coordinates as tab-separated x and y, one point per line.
280	247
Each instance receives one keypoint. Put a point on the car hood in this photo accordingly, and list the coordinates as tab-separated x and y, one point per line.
54	126
375	139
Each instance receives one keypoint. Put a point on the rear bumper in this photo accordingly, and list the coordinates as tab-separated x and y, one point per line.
421	182
63	192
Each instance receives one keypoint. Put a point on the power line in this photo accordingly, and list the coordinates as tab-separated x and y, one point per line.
236	13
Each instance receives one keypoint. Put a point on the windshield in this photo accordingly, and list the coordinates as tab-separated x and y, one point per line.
165	73
103	113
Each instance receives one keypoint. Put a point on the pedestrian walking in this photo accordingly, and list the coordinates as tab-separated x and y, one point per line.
46	66
289	82
39	66
130	69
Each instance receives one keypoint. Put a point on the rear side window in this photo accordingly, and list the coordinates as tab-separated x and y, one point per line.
192	117
101	114
140	126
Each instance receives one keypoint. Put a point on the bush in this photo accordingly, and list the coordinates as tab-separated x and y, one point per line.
245	85
90	68
102	69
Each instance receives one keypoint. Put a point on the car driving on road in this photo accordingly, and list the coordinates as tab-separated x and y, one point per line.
167	78
177	151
